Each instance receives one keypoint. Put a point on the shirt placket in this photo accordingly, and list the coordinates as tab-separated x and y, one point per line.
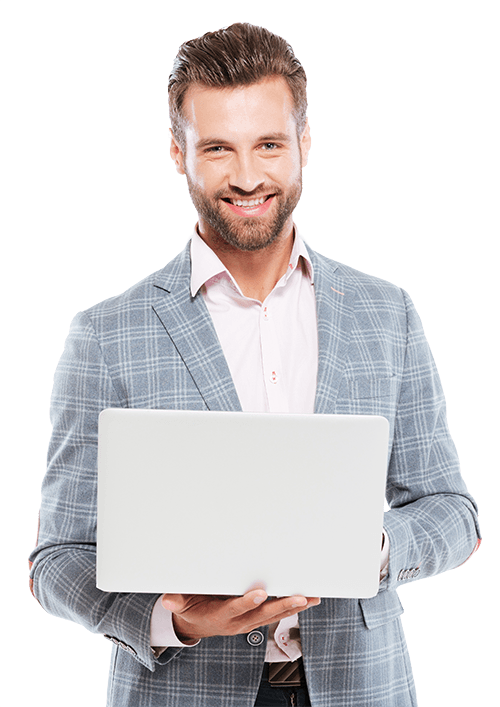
272	368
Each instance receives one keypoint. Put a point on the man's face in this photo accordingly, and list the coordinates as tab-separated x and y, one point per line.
243	162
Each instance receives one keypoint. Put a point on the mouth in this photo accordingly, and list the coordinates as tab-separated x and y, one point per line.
250	207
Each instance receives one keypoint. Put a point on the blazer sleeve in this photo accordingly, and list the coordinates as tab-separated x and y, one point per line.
63	562
432	522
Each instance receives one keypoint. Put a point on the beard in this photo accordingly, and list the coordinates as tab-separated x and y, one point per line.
252	233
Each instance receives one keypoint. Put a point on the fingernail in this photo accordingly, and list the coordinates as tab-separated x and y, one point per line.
258	600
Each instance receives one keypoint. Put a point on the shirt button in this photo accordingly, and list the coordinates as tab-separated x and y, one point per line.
266	313
274	377
255	638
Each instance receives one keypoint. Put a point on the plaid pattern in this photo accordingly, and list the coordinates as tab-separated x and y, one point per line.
155	347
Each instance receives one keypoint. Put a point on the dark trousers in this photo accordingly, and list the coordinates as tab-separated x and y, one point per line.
281	696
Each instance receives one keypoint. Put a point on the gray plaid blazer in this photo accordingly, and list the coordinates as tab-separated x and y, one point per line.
155	347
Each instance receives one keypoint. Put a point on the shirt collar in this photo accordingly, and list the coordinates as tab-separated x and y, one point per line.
205	264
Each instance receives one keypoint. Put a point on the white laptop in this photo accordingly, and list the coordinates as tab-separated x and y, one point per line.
223	502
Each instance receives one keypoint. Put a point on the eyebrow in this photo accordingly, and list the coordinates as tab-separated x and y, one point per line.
273	137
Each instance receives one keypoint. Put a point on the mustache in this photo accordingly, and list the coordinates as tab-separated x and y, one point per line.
236	193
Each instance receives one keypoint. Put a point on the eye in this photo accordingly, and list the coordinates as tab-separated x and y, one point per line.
269	146
214	149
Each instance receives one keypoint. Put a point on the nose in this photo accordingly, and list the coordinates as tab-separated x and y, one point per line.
246	174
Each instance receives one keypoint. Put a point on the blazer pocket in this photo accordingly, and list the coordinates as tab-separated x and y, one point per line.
381	609
368	387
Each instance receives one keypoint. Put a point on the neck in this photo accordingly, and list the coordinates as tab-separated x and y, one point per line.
256	271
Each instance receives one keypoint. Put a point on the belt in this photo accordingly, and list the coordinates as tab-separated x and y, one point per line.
287	674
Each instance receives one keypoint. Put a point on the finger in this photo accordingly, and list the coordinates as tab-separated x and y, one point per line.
255	620
251	608
237	606
276	605
278	609
174	602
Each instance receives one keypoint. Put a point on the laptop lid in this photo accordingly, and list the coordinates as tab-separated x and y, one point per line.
222	502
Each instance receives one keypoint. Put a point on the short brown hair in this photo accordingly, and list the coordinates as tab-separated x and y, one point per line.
238	55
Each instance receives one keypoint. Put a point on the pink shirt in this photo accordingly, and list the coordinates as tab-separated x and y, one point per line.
271	348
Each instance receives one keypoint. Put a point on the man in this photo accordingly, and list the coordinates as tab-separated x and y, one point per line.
249	318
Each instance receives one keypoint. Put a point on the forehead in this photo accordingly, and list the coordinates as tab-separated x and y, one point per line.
237	112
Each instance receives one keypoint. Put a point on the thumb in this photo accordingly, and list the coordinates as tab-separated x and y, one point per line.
173	602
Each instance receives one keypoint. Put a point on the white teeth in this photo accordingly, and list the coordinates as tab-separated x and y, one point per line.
252	202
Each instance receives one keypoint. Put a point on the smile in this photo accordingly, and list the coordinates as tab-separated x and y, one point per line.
250	207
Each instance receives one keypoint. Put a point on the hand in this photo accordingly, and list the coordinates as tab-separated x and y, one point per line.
198	616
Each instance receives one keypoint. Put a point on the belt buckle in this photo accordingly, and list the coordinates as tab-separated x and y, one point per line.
286	674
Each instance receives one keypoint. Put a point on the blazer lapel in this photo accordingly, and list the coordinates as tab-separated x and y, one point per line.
188	323
334	301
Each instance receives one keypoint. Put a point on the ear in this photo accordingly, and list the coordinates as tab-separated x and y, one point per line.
176	154
305	144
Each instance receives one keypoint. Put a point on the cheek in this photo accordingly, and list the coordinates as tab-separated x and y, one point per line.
290	170
206	176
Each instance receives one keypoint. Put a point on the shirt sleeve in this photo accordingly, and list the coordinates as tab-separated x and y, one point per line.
384	557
